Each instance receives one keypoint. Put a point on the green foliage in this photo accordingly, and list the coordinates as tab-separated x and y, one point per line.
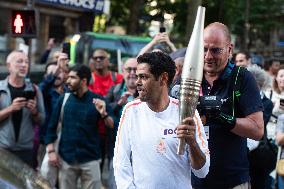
263	15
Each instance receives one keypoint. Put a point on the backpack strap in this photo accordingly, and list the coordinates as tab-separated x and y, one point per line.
271	93
236	81
93	78
113	76
66	96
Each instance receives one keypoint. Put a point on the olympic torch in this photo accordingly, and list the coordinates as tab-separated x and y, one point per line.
192	72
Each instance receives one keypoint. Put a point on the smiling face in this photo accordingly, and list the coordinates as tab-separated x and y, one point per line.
129	72
241	60
217	49
18	64
148	86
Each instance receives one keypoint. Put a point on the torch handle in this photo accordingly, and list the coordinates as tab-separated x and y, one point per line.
181	147
189	93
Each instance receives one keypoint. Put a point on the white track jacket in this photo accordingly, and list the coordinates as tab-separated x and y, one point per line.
146	145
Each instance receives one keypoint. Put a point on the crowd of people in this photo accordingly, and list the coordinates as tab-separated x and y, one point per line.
100	128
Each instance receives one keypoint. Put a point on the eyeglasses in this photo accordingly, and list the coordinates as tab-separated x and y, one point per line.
214	51
129	69
99	58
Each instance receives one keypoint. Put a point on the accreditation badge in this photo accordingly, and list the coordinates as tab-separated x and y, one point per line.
206	130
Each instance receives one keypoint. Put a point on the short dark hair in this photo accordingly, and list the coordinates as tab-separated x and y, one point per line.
268	63
247	55
82	71
49	64
159	63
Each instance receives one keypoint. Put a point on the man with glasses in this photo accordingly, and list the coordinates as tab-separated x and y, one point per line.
103	78
234	121
118	96
121	94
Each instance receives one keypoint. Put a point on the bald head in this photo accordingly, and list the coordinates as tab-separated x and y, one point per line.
13	55
130	61
101	61
179	61
218	28
100	52
217	48
129	72
17	64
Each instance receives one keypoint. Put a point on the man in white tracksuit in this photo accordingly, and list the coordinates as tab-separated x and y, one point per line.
147	139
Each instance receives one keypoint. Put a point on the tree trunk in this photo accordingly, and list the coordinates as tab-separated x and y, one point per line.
132	27
247	27
221	10
192	7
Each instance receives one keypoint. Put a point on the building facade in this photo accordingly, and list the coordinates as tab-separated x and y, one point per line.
55	19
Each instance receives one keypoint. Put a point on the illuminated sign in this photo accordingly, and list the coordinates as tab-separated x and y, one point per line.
18	23
23	23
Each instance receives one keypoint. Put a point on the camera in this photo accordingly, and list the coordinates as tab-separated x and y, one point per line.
281	102
29	91
209	106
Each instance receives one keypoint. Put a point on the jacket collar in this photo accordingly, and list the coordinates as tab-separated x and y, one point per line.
4	85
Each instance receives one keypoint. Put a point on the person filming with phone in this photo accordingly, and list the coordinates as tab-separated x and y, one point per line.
160	42
21	108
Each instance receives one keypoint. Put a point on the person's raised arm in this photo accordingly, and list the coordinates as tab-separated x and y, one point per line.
168	42
158	38
104	111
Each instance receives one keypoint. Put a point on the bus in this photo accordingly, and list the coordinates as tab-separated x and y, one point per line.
118	46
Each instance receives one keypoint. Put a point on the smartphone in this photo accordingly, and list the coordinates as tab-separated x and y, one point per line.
29	94
66	48
281	102
162	29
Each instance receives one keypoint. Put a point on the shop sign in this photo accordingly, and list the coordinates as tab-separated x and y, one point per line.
91	5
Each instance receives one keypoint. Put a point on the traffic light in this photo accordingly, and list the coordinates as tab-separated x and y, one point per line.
23	23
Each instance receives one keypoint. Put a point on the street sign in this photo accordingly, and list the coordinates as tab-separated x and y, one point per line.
96	6
23	23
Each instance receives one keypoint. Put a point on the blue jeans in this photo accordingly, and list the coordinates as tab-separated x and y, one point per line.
280	182
111	179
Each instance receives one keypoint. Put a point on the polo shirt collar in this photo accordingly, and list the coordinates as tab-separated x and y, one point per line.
227	71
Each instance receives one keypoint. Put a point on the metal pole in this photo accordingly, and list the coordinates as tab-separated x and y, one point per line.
28	41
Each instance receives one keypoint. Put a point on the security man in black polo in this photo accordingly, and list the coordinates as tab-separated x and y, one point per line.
237	114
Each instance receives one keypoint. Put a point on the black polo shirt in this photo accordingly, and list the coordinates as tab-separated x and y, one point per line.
229	164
